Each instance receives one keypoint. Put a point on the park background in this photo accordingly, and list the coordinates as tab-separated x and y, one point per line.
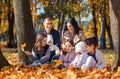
20	20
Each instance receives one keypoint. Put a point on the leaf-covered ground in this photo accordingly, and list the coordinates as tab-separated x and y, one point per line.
49	71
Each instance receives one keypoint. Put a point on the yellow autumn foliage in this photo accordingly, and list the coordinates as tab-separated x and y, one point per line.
23	46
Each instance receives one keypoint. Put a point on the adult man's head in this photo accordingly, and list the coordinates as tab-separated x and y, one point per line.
48	24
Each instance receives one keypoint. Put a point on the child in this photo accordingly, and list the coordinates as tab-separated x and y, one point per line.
68	54
96	57
40	51
81	55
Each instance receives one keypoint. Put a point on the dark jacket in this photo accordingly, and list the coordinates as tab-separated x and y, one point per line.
54	33
44	57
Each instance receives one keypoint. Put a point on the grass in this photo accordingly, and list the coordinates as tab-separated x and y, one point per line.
109	56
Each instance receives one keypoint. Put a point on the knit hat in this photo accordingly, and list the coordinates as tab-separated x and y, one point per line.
80	47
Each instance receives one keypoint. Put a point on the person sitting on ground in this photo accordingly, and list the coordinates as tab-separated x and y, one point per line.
81	55
95	56
40	51
67	54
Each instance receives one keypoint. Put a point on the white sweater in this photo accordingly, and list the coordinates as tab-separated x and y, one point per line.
82	60
101	63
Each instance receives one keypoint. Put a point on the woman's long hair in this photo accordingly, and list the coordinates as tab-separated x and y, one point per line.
38	47
74	23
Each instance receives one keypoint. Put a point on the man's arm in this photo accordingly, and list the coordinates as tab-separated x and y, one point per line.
57	39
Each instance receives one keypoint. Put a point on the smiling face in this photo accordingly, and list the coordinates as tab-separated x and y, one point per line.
48	25
44	41
70	27
89	48
69	47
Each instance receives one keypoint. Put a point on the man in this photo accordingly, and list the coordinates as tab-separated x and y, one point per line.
48	29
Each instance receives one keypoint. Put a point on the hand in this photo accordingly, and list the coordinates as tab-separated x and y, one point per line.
63	46
57	52
28	53
53	47
50	43
36	63
66	38
72	65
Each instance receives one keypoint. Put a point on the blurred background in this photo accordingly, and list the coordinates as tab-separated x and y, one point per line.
92	16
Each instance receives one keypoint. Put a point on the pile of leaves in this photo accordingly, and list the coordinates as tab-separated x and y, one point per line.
49	71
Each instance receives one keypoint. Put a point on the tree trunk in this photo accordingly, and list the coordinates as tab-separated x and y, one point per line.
94	20
79	20
0	11
59	26
24	28
115	29
103	28
3	61
62	22
10	41
102	37
110	36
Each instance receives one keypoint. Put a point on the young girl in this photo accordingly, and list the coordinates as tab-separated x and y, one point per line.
81	55
96	57
40	51
68	54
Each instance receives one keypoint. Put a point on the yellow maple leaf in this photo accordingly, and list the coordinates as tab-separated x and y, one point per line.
58	61
23	46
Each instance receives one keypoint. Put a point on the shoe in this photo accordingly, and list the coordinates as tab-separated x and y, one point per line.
83	68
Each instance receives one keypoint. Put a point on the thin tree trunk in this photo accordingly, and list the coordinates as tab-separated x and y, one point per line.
115	29
0	12
0	18
10	41
102	37
94	20
110	36
103	28
62	22
59	24
79	20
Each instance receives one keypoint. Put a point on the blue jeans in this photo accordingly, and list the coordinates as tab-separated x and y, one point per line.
55	57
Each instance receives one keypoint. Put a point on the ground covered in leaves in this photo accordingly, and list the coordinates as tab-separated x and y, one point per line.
49	71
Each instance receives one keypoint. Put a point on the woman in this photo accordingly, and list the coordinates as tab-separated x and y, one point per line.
40	51
72	31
